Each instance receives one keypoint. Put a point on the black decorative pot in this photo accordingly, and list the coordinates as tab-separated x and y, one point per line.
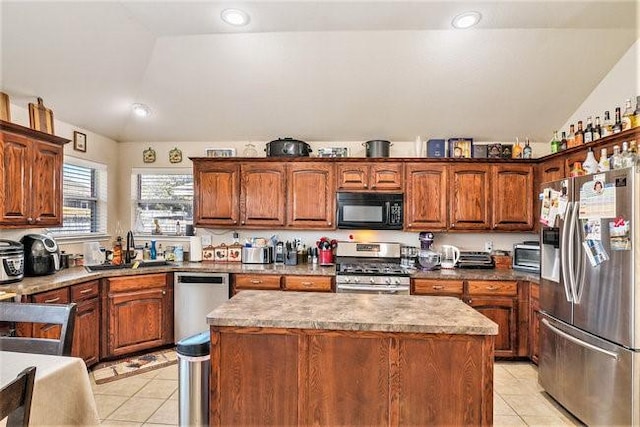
287	147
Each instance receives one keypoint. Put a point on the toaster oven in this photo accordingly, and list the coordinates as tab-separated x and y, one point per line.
526	257
11	261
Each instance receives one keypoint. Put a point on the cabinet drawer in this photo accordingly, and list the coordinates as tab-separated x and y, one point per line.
83	291
131	283
437	287
56	296
257	281
308	283
492	287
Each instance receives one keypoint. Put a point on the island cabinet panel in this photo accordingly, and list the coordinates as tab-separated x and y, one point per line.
308	283
262	194
138	312
384	176
353	390
216	188
310	195
450	288
469	194
426	196
512	197
261	386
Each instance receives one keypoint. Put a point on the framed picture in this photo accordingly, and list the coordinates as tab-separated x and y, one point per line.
220	152
461	148
79	141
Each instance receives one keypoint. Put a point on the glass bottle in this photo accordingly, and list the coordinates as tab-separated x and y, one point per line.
160	252
588	131
146	253
577	170
527	151
628	159
617	126
616	158
152	251
590	164
555	143
597	129
571	138
516	153
563	142
607	125
117	252
178	228
636	114
603	164
178	253
250	151
627	116
579	137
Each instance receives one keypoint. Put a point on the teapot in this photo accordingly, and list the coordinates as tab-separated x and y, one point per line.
449	256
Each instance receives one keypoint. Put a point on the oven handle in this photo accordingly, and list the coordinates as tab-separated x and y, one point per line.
385	289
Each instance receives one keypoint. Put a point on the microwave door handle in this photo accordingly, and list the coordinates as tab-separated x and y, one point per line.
387	206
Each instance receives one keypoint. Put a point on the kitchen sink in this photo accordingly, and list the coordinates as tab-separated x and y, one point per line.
141	264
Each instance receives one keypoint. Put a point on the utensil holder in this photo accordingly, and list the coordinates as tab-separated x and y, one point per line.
325	257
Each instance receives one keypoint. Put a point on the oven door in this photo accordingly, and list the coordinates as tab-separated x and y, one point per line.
372	289
373	211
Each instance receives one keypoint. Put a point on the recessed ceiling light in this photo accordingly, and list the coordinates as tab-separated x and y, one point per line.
141	110
235	17
466	20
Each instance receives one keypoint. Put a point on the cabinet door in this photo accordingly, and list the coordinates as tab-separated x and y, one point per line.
48	330
310	195
256	281
385	176
534	323
16	179
46	179
262	194
216	194
512	197
86	333
504	312
438	287
469	197
551	170
426	197
352	176
308	283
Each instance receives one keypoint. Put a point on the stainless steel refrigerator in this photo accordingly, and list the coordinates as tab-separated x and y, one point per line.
590	296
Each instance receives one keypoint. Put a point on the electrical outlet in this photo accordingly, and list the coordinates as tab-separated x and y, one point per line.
488	246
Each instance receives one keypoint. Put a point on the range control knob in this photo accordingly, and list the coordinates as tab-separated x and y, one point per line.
387	280
372	280
356	280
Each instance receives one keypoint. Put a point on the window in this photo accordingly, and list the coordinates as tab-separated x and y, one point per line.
84	198
164	198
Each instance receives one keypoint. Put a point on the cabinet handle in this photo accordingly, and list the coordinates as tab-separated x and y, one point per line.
235	222
49	301
469	301
373	186
85	291
438	287
491	288
256	281
307	283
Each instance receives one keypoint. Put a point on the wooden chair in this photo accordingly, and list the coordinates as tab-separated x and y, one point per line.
59	314
15	399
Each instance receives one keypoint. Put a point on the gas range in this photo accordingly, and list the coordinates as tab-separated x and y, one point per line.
370	268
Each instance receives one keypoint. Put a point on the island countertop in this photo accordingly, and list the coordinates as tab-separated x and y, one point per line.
351	312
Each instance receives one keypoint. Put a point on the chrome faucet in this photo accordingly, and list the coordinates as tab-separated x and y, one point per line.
130	245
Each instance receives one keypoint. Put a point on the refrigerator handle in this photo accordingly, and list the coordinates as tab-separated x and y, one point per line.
578	341
575	252
581	262
564	252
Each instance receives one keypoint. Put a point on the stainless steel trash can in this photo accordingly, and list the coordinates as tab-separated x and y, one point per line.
194	365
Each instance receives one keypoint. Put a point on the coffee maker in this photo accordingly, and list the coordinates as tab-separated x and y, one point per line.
428	258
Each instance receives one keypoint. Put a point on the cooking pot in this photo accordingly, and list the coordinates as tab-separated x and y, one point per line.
287	147
377	148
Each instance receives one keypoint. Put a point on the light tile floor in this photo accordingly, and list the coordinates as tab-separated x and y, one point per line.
151	399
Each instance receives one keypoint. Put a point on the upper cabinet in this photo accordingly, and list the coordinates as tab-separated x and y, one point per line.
512	197
469	190
370	176
262	194
31	187
216	187
425	196
310	195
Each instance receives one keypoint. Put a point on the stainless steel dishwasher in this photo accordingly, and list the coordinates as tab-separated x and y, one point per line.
196	295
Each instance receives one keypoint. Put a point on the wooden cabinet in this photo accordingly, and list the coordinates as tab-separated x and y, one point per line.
308	283
310	195
534	322
256	282
86	335
138	313
551	170
512	197
498	300
262	194
426	205
216	187
45	330
31	177
383	176
469	188
450	288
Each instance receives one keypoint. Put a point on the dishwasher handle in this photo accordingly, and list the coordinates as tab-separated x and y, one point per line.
208	279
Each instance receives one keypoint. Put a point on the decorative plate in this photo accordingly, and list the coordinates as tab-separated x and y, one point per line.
175	155
149	155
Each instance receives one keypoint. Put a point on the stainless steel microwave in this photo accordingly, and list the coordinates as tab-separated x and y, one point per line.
372	211
526	256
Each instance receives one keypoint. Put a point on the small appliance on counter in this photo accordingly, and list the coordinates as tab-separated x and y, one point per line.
257	255
526	256
12	261
475	259
41	255
427	257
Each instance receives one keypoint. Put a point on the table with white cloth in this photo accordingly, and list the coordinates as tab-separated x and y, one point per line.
62	392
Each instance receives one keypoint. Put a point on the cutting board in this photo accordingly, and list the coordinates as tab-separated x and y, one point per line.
40	117
5	114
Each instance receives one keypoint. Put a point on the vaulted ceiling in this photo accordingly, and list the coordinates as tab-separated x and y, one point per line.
313	70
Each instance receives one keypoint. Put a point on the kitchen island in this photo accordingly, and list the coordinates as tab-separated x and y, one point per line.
349	359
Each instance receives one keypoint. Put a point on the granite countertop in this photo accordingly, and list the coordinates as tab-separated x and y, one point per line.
71	276
351	312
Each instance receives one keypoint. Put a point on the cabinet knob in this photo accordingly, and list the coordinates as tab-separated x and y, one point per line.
164	292
235	222
242	222
365	186
373	186
329	223
38	219
30	220
453	224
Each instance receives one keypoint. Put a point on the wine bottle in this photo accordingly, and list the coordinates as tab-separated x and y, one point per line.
579	137
588	131
617	126
627	116
636	114
607	126
527	151
597	130
571	138
555	143
563	142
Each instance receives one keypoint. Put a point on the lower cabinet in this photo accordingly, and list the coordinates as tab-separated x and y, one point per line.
137	312
308	283
86	334
256	282
45	330
434	287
